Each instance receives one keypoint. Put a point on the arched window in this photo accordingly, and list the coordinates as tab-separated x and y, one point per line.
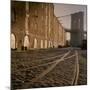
35	43
12	41
45	43
41	43
49	44
26	41
79	23
55	44
13	15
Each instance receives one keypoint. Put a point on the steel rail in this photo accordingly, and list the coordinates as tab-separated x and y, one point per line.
49	69
50	62
76	71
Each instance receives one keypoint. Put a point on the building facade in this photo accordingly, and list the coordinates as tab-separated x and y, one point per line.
34	25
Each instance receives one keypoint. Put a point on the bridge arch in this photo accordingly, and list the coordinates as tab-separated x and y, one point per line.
13	41
26	41
41	43
51	45
45	43
35	43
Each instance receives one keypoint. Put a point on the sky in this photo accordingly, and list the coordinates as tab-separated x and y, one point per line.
67	9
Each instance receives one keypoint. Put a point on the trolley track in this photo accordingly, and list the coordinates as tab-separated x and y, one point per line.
35	74
76	71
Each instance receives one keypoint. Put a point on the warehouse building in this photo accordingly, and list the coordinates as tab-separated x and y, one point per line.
34	25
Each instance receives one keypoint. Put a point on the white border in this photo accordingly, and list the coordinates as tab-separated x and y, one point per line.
5	44
60	1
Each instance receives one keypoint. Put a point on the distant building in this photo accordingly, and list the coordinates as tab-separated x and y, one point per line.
34	25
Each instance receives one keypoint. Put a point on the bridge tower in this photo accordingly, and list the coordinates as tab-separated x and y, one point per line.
77	21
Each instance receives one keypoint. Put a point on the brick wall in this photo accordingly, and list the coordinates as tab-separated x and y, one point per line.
38	22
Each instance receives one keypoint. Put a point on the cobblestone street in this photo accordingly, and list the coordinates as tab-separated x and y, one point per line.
48	68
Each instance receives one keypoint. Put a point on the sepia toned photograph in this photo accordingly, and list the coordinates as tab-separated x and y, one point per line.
48	45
